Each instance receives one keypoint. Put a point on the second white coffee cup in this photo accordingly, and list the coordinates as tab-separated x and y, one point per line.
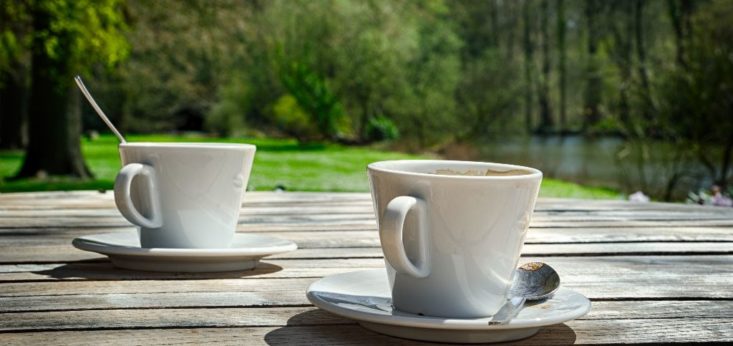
452	232
183	195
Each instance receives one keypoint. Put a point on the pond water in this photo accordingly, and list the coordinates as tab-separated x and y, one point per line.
604	162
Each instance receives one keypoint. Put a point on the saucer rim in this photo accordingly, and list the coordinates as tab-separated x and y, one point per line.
441	323
108	248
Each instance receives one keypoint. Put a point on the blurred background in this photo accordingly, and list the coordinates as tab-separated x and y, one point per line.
606	97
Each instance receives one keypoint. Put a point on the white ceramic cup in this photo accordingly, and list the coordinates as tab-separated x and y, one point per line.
183	195
451	242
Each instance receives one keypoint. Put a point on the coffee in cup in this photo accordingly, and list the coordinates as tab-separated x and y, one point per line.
452	232
183	195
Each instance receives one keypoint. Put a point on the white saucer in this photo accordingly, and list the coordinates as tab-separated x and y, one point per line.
365	297
124	251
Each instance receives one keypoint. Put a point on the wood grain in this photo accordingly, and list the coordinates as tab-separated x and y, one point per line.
299	316
48	254
656	272
585	332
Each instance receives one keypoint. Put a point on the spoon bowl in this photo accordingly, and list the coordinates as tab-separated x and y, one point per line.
534	281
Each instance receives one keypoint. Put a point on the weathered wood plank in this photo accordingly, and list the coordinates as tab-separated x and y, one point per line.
294	316
266	196
60	236
574	332
33	246
573	269
669	277
365	219
63	252
271	293
54	200
639	295
168	318
365	208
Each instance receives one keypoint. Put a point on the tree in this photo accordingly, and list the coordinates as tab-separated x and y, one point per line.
13	104
489	93
528	63
592	94
546	123
647	106
562	64
188	67
680	12
622	31
68	37
14	29
697	93
314	97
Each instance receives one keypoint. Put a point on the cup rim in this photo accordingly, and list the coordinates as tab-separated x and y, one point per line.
188	145
384	166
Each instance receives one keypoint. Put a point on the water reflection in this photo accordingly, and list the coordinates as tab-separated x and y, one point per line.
604	162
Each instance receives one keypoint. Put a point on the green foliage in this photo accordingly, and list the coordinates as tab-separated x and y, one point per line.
14	39
293	120
381	128
83	32
438	69
182	53
482	114
433	72
695	98
226	117
314	97
697	102
361	60
77	33
430	71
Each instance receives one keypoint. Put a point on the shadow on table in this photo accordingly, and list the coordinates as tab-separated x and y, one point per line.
104	270
318	327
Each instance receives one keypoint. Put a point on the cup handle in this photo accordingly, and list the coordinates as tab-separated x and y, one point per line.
124	201
390	235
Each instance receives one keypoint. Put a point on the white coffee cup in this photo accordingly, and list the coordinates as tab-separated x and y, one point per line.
183	195
452	240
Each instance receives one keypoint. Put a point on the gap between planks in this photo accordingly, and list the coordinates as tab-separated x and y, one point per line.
577	331
309	315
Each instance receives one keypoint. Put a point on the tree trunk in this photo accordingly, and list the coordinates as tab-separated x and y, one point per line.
13	109
528	60
494	16
546	122
725	167
511	20
53	130
623	33
679	13
648	107
592	97
561	64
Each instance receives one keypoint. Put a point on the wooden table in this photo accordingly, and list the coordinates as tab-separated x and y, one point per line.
655	273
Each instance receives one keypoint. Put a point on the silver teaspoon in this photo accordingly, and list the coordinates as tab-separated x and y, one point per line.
533	281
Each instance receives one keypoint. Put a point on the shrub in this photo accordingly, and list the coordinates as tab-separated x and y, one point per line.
381	128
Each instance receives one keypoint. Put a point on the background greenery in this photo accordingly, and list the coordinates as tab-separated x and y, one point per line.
413	76
279	163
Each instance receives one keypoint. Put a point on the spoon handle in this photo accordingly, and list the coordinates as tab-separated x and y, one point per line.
507	312
99	111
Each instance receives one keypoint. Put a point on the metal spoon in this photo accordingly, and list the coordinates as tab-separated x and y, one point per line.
533	281
99	111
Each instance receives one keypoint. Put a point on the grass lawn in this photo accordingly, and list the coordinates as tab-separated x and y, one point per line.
315	167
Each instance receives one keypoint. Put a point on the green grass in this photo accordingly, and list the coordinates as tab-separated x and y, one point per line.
313	167
560	188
